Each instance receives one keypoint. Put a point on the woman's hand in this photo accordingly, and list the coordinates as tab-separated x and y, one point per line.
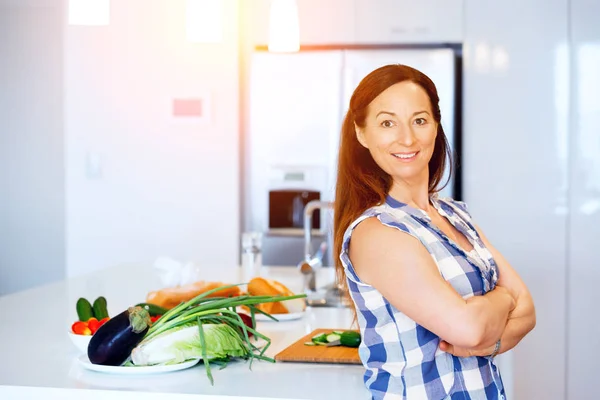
506	336
463	352
485	350
511	294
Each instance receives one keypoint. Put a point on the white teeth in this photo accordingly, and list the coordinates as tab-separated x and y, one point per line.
405	155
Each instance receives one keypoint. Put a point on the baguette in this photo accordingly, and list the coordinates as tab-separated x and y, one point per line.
172	297
268	287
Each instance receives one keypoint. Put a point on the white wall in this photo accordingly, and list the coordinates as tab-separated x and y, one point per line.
584	227
515	146
165	187
32	246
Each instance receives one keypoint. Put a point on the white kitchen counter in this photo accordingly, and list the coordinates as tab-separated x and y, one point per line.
39	360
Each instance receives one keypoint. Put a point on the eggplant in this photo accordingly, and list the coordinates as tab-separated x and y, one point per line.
113	342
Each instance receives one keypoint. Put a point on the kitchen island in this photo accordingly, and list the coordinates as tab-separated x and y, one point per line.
39	360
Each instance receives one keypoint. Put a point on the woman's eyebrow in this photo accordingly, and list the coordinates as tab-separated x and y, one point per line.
394	114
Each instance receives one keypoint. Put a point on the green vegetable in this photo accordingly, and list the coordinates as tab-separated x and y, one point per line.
183	343
350	339
153	309
100	308
332	337
84	310
208	328
320	338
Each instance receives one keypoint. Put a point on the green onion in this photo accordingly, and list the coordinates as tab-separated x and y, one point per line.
216	310
204	358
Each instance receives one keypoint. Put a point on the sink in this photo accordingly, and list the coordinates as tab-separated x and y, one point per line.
329	296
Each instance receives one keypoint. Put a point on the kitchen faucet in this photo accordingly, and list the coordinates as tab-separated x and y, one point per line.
332	296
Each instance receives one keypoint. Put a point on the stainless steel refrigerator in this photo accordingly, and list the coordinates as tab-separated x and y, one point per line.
295	110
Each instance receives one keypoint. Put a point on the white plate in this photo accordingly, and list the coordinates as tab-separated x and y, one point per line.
258	342
84	361
280	317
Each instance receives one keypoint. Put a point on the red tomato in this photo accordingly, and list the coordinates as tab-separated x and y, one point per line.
81	328
153	319
93	324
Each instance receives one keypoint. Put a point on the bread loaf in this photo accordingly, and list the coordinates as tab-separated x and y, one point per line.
171	297
268	287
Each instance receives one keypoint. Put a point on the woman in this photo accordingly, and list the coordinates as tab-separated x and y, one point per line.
435	300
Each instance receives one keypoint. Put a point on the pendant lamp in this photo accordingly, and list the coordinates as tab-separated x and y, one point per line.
89	12
284	28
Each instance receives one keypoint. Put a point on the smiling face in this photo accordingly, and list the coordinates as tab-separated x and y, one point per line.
400	132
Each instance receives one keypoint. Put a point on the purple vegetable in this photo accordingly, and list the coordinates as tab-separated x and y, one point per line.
113	342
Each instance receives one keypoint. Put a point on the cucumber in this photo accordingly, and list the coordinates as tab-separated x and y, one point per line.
309	344
152	309
350	339
320	338
332	337
84	310
100	308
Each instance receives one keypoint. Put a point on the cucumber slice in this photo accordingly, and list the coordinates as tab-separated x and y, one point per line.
338	332
332	337
309	344
321	338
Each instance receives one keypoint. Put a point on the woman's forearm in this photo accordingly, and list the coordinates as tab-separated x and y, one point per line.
516	329
490	314
521	321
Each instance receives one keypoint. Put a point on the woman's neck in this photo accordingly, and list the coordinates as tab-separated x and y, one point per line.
414	194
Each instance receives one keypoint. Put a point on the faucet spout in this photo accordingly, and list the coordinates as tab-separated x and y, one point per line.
331	295
311	261
309	209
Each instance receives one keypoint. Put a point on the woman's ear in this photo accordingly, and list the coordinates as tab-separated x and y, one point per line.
360	136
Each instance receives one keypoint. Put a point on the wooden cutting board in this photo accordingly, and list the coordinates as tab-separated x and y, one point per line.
299	352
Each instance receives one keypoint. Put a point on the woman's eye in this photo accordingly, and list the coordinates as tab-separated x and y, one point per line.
420	121
387	123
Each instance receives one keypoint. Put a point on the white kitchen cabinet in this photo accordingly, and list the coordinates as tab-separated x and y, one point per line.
321	22
326	22
515	162
351	22
405	21
584	217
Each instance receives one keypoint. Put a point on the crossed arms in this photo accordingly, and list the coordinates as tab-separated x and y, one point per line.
400	267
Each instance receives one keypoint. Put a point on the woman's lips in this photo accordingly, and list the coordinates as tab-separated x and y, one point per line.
406	157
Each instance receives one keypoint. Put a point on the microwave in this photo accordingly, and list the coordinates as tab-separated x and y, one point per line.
286	208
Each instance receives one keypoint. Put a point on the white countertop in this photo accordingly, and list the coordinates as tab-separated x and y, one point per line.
38	358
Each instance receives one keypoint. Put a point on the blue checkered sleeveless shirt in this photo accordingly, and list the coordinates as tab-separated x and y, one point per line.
402	358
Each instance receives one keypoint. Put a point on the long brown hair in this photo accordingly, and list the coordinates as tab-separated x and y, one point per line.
361	183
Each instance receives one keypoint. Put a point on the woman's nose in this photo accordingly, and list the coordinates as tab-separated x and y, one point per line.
405	136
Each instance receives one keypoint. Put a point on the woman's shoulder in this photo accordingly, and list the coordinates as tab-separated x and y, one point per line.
385	214
376	221
378	233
